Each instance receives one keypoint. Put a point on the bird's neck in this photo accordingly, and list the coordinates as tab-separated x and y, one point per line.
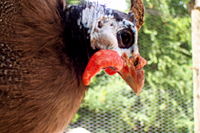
76	42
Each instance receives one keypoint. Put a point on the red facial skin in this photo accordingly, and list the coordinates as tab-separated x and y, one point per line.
130	69
100	60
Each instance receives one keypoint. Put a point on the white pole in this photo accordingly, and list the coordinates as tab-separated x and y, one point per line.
196	62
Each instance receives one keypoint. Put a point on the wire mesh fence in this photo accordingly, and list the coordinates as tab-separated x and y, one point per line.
154	111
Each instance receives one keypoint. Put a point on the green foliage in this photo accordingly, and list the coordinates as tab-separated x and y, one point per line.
165	105
72	2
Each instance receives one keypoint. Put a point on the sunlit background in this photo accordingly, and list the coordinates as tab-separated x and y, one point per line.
114	4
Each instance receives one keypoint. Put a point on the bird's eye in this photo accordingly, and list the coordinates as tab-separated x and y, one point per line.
100	24
126	38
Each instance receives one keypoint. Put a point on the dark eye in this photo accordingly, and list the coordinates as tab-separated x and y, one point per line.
100	24
126	38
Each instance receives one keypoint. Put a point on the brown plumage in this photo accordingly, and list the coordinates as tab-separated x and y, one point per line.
38	93
34	81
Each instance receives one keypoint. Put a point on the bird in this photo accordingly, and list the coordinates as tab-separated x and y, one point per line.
45	48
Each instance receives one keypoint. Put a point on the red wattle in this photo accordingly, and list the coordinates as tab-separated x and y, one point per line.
110	71
100	60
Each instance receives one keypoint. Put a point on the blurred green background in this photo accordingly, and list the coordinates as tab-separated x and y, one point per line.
165	104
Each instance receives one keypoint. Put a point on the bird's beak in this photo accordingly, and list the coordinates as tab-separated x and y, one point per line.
133	73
